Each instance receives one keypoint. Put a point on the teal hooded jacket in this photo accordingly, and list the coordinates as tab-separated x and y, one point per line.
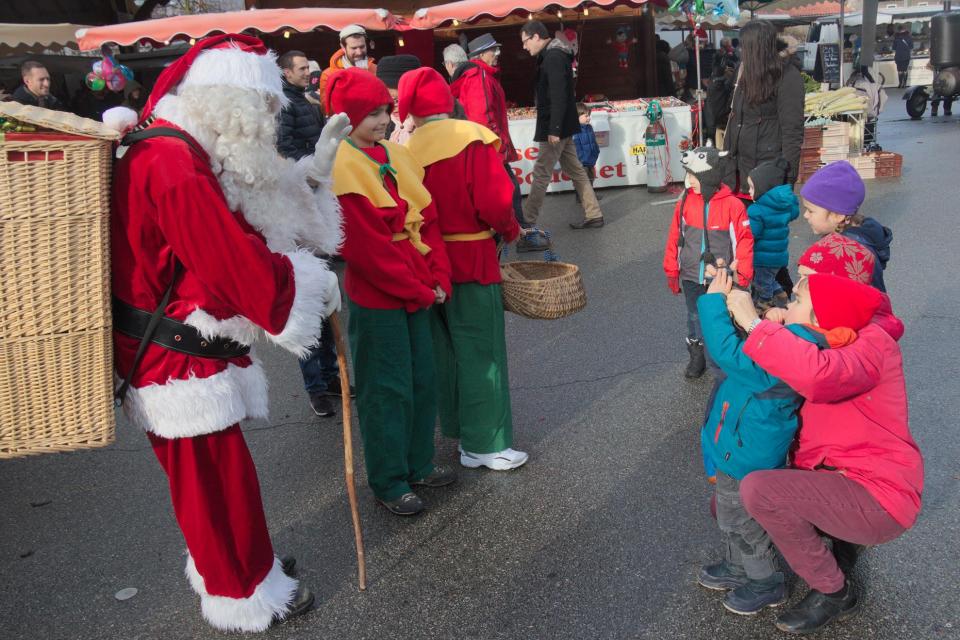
770	218
753	416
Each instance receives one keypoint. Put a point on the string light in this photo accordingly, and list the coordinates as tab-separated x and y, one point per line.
456	23
560	14
193	41
286	34
530	16
400	41
586	11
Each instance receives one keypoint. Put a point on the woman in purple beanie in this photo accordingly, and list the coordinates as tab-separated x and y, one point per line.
832	199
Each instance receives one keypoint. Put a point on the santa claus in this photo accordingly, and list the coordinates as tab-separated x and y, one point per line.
215	232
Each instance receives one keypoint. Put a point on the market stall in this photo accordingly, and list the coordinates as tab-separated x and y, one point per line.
620	127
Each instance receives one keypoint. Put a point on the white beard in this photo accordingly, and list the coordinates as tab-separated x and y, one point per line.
237	128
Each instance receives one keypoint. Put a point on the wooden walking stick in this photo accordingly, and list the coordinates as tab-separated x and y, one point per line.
348	445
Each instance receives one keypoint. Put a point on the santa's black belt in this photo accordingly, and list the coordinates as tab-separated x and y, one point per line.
172	334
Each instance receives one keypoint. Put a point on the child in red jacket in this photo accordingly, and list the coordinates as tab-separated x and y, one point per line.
474	200
397	268
857	474
710	226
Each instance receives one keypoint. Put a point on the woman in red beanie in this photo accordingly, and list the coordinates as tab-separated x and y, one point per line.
397	268
857	474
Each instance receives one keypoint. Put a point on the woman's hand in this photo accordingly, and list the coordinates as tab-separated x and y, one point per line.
776	314
740	306
722	281
441	295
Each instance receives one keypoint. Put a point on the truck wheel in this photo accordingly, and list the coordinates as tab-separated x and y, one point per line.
916	105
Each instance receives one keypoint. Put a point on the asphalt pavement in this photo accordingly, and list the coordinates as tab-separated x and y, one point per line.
598	536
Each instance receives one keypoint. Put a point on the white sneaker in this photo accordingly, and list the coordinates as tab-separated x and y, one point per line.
500	461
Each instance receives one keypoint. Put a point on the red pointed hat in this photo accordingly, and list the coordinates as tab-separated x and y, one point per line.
841	302
423	92
231	59
355	92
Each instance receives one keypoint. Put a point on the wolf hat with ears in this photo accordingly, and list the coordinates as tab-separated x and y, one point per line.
705	163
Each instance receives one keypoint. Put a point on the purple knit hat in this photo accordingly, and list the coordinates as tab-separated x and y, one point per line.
837	187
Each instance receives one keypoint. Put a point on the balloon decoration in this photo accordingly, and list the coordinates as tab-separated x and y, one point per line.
108	73
698	10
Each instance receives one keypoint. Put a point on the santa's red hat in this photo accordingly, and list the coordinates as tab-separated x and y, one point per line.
423	92
841	302
355	92
228	60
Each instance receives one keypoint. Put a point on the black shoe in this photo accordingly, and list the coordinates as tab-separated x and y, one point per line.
588	223
409	504
301	604
846	554
532	242
288	564
816	610
322	406
441	476
755	596
698	361
722	576
334	389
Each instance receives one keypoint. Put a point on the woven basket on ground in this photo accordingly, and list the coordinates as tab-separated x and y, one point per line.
56	361
542	290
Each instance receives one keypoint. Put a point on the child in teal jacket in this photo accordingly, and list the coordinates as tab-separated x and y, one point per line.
774	207
751	425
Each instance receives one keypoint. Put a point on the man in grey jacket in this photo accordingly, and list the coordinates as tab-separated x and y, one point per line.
557	122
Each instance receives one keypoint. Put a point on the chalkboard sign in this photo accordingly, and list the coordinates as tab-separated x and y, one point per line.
828	63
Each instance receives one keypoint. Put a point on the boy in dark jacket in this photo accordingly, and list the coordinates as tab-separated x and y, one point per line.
831	201
709	224
587	148
750	425
774	208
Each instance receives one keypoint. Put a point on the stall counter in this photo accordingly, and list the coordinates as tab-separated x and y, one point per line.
622	161
918	74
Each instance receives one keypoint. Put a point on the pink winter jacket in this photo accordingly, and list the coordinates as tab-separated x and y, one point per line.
854	420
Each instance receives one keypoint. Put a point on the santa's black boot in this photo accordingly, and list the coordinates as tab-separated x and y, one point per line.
698	361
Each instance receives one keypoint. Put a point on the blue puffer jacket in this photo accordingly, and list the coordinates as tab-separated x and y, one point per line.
770	218
587	148
753	417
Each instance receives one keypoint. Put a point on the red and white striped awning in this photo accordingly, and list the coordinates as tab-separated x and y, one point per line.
186	27
453	13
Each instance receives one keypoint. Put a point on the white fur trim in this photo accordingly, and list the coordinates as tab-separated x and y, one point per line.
314	284
197	406
271	597
120	119
233	67
237	328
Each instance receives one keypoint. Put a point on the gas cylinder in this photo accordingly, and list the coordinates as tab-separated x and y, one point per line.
655	139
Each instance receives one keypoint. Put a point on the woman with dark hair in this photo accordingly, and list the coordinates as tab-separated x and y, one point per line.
766	117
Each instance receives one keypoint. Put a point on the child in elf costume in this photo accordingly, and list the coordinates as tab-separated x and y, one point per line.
473	196
397	268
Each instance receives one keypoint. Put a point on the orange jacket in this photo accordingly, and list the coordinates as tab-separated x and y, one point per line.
336	64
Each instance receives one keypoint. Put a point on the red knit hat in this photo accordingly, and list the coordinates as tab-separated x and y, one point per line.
355	92
229	59
423	92
840	256
840	302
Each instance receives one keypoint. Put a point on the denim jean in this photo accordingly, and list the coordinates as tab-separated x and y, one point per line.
691	293
320	367
765	282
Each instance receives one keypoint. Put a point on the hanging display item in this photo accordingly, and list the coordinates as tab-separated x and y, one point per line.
108	73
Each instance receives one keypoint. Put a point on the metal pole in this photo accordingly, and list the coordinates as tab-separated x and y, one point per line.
696	52
843	4
868	36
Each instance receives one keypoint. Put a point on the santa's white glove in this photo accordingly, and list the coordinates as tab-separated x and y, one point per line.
337	128
332	295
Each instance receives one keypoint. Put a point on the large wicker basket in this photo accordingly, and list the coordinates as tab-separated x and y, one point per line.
542	290
55	344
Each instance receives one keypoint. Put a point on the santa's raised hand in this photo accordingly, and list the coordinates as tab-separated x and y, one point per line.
337	128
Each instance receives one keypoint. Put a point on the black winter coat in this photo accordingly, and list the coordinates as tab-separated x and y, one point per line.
50	101
556	104
300	124
758	133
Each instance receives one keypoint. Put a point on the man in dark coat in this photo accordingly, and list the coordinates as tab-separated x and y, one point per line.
557	121
35	90
300	124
